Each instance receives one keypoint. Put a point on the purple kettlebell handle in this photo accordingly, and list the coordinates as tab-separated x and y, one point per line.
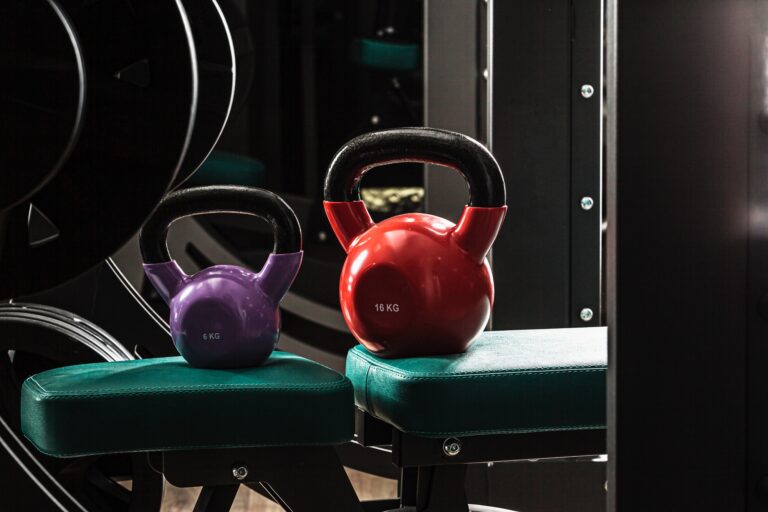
278	273
219	199
275	278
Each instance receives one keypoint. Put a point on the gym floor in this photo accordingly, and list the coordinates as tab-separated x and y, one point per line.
368	487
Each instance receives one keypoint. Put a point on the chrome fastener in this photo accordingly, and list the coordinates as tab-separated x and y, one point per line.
240	472
451	447
587	91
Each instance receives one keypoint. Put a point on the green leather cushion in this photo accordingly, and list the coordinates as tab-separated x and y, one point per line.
164	404
507	382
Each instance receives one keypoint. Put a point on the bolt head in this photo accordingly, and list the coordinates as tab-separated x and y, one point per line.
451	447
240	472
587	91
586	314
587	203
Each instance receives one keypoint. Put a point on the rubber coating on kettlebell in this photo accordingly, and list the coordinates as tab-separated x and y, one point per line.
223	316
415	284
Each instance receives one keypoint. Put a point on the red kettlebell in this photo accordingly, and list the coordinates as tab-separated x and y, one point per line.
415	284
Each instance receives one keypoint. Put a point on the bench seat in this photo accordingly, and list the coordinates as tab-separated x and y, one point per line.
164	404
507	382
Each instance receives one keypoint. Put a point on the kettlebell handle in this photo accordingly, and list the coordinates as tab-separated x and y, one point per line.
219	199
471	159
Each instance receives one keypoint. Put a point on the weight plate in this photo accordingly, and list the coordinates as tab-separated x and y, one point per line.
141	95
38	338
42	92
216	76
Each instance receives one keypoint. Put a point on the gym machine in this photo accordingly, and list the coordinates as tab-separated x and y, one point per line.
36	220
516	72
685	140
686	157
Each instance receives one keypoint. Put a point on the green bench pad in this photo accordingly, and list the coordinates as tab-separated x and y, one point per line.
164	404
507	382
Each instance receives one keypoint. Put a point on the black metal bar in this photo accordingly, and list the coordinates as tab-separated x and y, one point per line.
216	499
300	476
375	461
679	246
586	150
409	478
317	482
531	139
757	349
371	431
441	489
409	451
380	505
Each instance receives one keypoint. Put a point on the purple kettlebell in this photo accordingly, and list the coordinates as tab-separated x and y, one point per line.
224	316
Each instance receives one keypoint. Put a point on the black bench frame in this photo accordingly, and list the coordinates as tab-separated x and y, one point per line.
300	478
432	470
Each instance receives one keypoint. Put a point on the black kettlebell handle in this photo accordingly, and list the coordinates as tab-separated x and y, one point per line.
219	199
419	145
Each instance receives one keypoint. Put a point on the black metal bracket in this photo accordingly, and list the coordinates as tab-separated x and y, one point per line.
432	470
299	477
216	499
414	451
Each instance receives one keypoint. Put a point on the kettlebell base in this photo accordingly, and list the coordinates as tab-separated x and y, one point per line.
418	346
223	360
227	364
419	352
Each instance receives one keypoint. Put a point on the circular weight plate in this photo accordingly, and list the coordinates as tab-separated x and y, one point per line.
141	102
36	339
216	77
42	91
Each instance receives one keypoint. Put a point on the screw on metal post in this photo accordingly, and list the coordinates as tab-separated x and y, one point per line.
240	472
587	91
587	203
451	447
586	314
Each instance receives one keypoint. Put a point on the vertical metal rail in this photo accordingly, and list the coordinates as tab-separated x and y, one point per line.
681	262
450	91
757	348
611	159
586	162
531	137
486	105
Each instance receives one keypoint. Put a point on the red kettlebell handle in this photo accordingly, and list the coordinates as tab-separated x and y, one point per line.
471	159
483	214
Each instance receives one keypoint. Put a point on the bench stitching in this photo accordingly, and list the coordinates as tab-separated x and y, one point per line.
343	384
194	447
477	374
